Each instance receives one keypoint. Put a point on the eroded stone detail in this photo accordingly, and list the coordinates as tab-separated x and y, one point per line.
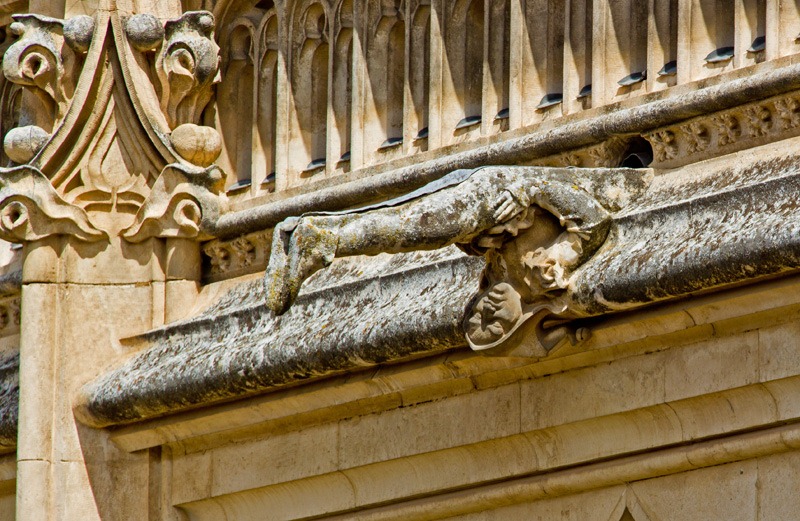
183	204
187	61
607	154
534	225
728	128
113	170
759	120
244	254
788	112
664	146
9	315
697	136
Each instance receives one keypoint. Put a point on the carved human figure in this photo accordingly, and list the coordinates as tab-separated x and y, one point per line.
534	225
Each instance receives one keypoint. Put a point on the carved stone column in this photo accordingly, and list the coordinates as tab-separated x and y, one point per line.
110	187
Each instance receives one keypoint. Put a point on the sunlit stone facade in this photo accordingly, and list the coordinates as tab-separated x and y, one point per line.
400	259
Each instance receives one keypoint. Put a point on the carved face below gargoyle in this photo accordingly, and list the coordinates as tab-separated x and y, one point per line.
495	315
519	280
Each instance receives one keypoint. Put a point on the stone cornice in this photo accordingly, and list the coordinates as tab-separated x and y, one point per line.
315	338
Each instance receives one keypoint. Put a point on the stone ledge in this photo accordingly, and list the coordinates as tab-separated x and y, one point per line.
717	316
403	307
654	441
732	225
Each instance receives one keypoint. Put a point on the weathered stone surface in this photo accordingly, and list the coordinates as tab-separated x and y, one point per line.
734	224
144	31
400	306
22	143
533	225
9	401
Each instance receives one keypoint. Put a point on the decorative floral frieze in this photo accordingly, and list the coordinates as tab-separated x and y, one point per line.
664	146
727	131
759	119
607	154
697	136
245	254
788	110
728	128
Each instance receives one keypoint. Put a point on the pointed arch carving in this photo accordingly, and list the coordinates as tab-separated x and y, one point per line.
342	84
309	63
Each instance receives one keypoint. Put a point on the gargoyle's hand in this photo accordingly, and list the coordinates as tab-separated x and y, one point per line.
507	207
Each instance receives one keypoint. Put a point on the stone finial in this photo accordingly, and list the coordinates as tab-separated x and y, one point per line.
196	144
21	144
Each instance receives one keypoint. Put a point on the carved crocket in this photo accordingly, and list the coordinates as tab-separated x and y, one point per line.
534	226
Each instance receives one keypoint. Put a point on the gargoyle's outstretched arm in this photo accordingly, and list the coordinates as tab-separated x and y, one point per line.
456	214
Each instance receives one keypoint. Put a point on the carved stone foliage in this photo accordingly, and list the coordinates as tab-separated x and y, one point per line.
90	159
535	226
186	62
46	60
31	209
608	154
183	204
727	131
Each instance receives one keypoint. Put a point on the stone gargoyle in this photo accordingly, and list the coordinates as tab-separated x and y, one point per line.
535	226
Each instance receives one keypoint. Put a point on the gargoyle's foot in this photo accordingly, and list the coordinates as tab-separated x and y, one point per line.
275	277
299	249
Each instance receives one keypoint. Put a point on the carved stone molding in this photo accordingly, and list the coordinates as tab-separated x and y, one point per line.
607	154
183	204
102	149
186	64
726	131
46	58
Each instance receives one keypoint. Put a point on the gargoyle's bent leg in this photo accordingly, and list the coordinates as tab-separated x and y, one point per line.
453	215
